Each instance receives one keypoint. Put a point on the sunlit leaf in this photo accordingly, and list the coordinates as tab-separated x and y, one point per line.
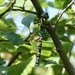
1	1
23	68
34	45
44	4
73	8
57	71
2	9
46	52
59	3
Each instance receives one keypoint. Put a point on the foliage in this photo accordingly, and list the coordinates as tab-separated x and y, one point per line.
20	48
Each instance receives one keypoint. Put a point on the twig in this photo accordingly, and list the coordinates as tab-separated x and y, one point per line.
10	8
4	41
13	59
60	15
24	3
22	10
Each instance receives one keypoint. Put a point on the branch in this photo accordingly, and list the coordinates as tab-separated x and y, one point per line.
10	8
55	39
60	50
37	7
60	15
13	59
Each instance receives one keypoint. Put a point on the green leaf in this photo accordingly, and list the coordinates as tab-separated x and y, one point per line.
3	70
73	7
5	46
34	45
45	52
2	9
59	3
50	4
44	4
67	46
53	19
61	27
23	68
2	61
57	69
11	27
66	3
14	38
65	38
7	25
1	1
27	20
73	21
46	48
23	49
